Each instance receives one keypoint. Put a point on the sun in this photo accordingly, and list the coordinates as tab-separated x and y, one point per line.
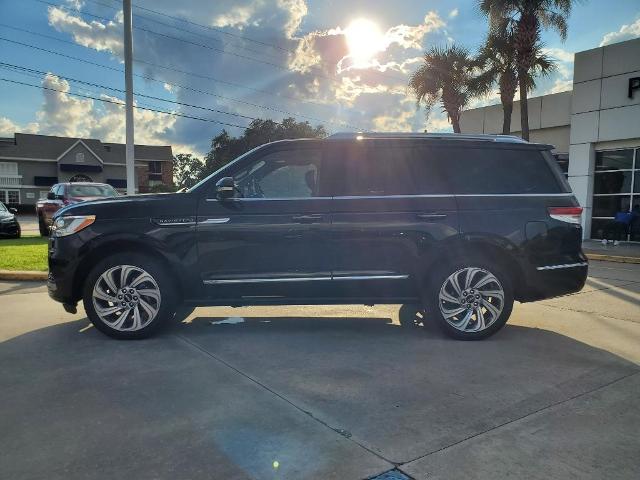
364	40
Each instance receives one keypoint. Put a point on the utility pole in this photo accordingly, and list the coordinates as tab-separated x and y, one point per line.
128	81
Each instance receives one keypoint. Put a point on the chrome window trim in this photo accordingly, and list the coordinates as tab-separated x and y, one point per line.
565	265
365	197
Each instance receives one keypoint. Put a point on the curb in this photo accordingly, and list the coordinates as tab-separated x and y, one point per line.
612	258
23	275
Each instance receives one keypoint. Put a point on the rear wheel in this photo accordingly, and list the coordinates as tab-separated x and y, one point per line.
129	296
470	300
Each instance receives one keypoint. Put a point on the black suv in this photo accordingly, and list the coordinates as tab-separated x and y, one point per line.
461	225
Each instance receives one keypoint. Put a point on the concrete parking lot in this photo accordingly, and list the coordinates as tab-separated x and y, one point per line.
325	392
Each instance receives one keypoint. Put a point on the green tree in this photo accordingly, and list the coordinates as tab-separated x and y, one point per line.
447	76
225	148
187	170
497	59
528	17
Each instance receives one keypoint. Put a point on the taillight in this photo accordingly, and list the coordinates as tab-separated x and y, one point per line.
566	214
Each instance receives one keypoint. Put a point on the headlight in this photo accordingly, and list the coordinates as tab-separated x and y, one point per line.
64	226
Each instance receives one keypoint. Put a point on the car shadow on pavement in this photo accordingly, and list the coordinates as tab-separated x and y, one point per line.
67	391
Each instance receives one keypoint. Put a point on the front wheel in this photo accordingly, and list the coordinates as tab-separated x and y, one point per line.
129	296
470	302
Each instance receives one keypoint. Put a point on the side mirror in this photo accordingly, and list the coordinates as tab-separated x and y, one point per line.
13	210
51	196
225	188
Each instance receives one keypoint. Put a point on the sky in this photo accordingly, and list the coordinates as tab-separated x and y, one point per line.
342	64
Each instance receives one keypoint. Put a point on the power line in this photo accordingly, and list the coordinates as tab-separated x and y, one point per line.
190	42
121	103
208	27
119	90
147	77
244	37
224	52
168	25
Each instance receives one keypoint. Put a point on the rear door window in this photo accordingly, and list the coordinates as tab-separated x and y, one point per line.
498	171
365	170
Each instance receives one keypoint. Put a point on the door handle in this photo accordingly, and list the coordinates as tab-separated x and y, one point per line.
431	216
307	218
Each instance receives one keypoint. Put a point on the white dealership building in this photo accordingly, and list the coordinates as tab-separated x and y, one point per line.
595	129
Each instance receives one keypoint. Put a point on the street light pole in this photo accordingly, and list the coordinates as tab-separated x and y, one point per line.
128	81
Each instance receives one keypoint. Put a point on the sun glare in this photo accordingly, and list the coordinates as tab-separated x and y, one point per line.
364	40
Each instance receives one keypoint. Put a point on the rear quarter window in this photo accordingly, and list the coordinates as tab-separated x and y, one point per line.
498	171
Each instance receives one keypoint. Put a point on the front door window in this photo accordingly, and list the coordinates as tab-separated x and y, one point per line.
280	175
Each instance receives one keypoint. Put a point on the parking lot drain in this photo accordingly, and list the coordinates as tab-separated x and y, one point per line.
392	475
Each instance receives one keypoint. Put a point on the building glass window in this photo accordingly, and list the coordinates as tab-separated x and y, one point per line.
155	172
616	188
10	196
79	157
8	168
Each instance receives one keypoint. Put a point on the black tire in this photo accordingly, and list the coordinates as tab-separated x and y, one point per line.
42	226
411	315
432	301
182	312
166	306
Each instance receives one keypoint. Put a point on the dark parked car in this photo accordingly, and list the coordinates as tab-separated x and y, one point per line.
463	225
9	225
63	194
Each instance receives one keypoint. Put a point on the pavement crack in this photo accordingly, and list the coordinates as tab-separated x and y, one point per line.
339	431
522	417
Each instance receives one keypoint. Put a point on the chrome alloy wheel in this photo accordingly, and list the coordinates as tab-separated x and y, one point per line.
471	299
126	298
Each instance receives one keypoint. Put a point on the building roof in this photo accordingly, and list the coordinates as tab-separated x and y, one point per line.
48	147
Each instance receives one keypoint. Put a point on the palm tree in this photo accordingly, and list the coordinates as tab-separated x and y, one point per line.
527	18
497	59
445	76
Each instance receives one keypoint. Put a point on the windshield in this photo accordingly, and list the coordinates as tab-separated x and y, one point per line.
2	207
201	182
92	191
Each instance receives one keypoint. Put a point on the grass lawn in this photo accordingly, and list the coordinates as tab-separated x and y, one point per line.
26	253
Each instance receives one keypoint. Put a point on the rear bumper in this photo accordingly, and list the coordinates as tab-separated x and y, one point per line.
555	279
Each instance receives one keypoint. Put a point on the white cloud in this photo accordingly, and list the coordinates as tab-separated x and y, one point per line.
559	54
560	85
322	47
394	121
626	32
454	13
438	122
65	115
8	127
96	35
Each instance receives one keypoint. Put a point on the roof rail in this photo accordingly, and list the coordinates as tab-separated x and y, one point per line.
427	136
